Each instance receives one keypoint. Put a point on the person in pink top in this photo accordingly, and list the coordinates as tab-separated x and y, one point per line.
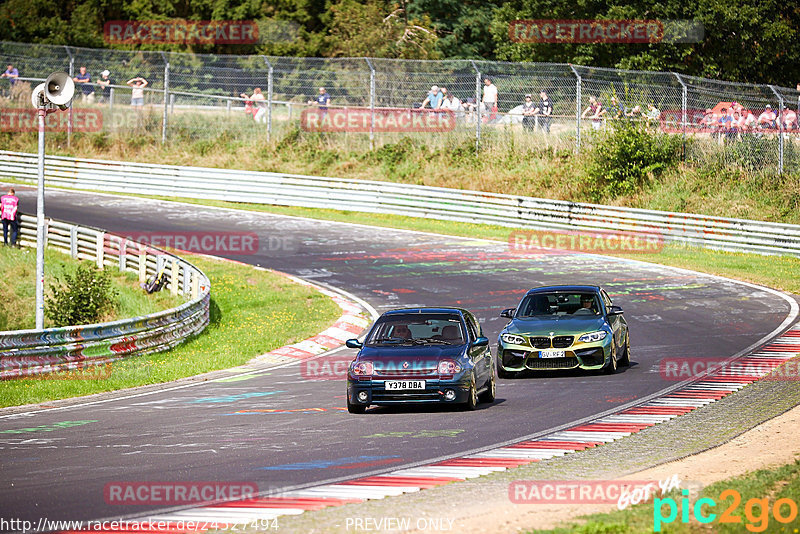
789	119
9	205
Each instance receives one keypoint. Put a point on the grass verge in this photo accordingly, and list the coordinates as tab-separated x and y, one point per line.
18	291
753	511
252	312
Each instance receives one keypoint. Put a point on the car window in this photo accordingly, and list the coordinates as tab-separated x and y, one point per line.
417	328
606	298
473	327
559	303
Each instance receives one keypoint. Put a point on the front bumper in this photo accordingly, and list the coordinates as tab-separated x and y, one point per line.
587	356
434	391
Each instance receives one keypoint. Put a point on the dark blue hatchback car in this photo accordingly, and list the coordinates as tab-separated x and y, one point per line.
421	355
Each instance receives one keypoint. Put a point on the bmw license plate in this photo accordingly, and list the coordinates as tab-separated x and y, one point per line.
551	353
405	384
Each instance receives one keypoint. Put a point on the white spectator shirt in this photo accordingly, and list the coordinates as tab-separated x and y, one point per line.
490	93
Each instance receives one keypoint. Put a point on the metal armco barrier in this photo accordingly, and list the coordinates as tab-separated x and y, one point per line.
36	352
404	199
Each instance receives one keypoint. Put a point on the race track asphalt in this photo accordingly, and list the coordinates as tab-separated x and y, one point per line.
282	430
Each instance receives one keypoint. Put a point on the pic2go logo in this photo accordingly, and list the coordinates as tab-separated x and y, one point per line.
756	511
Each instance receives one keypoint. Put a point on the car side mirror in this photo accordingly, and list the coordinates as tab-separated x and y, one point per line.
353	344
615	310
481	342
509	312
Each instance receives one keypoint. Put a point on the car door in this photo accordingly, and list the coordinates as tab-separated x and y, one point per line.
616	321
481	356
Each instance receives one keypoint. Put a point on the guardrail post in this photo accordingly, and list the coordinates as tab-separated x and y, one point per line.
111	106
123	251
195	284
577	109
187	276
683	113
477	106
73	242
142	263
269	98
780	129
174	279
371	104
99	245
166	99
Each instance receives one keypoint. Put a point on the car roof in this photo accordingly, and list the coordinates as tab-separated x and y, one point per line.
548	289
459	311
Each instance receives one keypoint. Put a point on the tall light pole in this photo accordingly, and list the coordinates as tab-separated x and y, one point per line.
54	94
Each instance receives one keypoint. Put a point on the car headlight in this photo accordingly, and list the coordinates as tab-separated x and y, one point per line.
362	369
513	339
448	367
593	336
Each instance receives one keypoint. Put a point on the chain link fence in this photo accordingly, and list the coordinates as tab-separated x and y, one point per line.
208	98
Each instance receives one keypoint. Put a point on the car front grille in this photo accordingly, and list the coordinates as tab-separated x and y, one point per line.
540	342
562	342
552	363
383	395
404	372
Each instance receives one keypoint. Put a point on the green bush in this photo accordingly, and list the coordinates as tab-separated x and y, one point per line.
82	298
624	158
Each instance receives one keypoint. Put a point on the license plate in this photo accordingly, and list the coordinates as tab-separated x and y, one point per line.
405	384
551	353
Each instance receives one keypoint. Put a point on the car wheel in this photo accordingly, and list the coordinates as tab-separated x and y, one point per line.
611	367
625	359
491	387
356	408
472	399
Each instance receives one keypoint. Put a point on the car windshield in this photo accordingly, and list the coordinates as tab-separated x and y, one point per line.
559	304
417	329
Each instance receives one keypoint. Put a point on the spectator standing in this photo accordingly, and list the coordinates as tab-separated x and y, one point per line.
104	82
84	81
789	119
11	73
434	98
9	204
545	109
635	113
322	100
528	113
260	104
595	112
137	86
490	97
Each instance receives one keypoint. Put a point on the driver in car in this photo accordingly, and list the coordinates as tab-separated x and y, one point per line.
402	332
587	306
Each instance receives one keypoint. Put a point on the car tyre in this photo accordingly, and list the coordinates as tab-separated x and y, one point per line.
611	367
625	359
356	408
472	399
491	389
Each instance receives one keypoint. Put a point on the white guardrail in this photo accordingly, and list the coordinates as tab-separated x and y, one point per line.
404	199
35	352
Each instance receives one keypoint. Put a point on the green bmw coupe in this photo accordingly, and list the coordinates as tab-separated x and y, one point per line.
563	327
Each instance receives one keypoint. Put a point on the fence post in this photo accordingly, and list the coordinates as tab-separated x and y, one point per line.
142	262
371	104
71	74
174	278
166	99
99	244
111	105
477	106
780	129
269	98
683	113
123	251
577	109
